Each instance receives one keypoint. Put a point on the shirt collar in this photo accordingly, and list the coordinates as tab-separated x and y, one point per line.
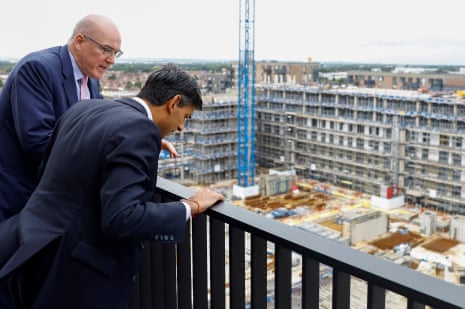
146	107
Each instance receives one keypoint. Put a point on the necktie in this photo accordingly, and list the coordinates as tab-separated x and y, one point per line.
84	90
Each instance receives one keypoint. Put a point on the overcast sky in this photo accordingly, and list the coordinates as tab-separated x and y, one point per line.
394	31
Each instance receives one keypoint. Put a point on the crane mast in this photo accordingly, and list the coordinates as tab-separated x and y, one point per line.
246	95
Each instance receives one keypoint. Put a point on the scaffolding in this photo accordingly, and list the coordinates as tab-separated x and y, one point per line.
366	140
246	95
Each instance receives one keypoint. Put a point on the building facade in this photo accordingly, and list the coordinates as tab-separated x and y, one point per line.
208	145
279	72
367	139
407	80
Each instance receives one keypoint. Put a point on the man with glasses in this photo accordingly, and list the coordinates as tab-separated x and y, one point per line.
39	89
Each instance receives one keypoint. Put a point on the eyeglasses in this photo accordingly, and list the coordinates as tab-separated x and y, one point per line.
107	50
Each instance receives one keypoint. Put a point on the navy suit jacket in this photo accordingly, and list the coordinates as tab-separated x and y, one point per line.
39	89
92	208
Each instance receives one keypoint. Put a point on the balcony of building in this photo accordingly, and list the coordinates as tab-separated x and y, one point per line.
225	263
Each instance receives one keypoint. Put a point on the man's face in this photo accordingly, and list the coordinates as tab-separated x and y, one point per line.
176	120
97	54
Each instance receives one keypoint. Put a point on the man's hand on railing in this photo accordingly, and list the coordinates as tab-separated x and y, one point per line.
202	200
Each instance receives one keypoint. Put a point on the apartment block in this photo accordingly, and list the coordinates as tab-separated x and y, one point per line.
271	72
407	80
367	140
208	144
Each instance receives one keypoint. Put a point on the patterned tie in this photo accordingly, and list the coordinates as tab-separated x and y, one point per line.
84	90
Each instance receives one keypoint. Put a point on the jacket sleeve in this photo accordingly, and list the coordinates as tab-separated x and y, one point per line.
33	108
129	173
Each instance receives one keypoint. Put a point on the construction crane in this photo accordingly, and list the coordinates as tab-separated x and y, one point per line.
246	95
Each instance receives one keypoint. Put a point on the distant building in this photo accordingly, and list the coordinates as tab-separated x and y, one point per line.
279	72
208	145
428	223
457	228
364	226
407	79
364	139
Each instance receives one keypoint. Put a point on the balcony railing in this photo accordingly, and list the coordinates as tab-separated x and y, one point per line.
223	264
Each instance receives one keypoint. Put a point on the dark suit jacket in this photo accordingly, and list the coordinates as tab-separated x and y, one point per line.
93	207
39	89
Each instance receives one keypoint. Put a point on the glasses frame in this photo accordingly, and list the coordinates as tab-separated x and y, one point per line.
107	50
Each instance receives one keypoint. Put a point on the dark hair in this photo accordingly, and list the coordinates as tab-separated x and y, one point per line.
165	83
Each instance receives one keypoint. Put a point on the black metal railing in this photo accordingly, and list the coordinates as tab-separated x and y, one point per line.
223	264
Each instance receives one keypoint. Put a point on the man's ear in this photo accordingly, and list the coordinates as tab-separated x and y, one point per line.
173	102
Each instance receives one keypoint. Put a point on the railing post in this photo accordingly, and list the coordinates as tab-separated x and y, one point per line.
283	277
258	271
236	268
376	297
184	275
310	283
341	289
217	264
199	262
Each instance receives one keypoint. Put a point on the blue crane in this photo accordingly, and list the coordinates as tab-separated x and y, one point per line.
246	95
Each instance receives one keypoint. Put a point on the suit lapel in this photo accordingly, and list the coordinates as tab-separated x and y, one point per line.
68	80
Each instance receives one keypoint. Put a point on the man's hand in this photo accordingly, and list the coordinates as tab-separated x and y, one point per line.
202	200
165	145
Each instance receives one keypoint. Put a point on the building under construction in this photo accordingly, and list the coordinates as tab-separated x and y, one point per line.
208	145
377	141
382	142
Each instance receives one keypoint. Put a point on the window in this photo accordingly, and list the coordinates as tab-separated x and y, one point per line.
457	159
424	154
388	133
456	191
456	175
314	136
442	173
349	155
331	139
426	138
443	157
457	141
411	136
387	147
443	140
387	163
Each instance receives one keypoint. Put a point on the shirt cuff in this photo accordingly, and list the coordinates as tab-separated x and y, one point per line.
188	210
